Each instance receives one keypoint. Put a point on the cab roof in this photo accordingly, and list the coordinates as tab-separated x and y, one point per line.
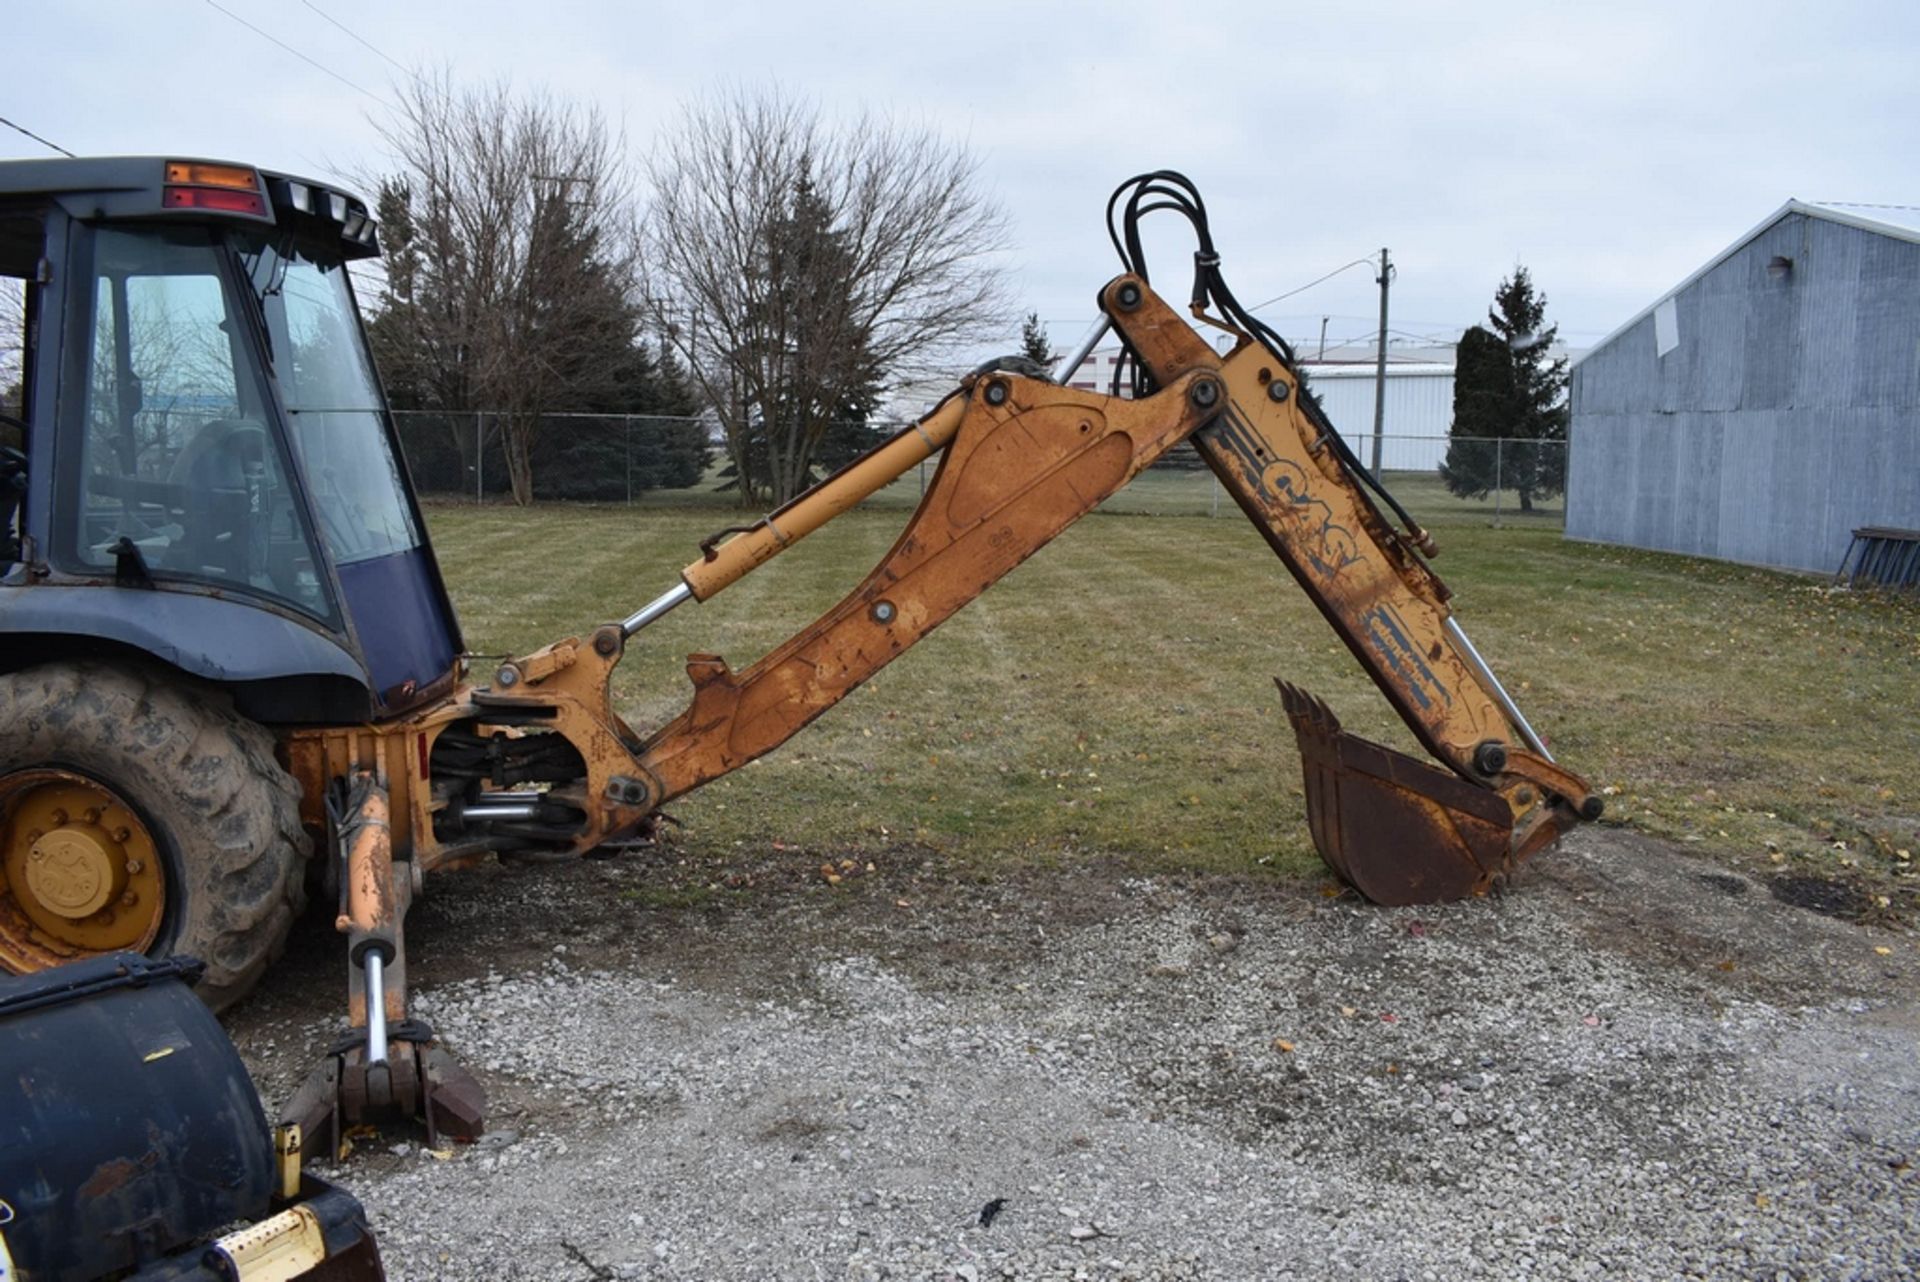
175	188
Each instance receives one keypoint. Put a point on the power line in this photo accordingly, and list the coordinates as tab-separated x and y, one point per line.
1358	262
360	39
301	56
36	137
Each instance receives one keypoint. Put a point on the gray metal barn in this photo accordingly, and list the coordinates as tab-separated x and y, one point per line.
1768	405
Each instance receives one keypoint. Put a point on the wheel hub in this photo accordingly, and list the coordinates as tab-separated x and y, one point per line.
76	870
79	871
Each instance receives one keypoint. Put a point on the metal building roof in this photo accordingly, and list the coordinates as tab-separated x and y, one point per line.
1395	369
1901	222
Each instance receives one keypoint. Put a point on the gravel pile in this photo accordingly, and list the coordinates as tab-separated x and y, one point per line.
1620	1069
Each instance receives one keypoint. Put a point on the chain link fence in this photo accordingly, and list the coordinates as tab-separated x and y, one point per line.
679	462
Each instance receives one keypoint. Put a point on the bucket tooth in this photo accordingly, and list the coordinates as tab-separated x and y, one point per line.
1397	830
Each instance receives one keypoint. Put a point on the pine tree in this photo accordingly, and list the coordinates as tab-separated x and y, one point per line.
1509	401
1034	343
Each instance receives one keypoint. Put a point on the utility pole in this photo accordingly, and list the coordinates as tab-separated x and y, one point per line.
1380	367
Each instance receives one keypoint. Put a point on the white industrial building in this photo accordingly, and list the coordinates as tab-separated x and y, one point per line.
1419	403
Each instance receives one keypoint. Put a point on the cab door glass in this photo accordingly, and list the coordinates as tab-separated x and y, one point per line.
179	458
338	417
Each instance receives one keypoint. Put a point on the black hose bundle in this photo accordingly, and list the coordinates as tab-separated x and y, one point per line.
1164	189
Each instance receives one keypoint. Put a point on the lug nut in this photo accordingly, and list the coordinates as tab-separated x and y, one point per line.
134	867
129	899
123	835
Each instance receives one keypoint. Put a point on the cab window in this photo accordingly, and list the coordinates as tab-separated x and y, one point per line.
20	250
337	416
181	471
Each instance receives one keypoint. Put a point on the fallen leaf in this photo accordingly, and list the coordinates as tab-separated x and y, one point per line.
440	1154
1726	966
1349	1011
1388	1017
1883	950
1591	1021
1283	1046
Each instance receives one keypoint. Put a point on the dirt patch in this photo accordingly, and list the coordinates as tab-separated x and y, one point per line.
1824	895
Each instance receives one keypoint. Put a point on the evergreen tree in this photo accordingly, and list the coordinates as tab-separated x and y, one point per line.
812	401
511	286
1034	343
816	265
1509	402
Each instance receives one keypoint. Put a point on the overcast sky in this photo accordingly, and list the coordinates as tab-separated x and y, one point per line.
1611	148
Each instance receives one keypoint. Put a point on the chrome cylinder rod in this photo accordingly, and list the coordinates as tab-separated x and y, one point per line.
1071	361
376	967
503	805
678	595
1499	692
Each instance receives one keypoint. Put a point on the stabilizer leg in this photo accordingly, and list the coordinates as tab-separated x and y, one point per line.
387	1066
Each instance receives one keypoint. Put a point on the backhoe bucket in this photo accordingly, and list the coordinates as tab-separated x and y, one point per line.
1397	830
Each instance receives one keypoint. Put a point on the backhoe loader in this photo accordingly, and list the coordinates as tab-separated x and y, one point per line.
228	645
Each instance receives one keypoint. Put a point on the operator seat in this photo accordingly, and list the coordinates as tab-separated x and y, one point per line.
225	476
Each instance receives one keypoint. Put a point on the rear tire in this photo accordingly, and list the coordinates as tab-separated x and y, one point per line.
202	780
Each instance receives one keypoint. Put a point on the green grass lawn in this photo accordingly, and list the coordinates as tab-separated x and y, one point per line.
1115	693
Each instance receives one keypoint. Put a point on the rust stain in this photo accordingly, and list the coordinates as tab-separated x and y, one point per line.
109	1177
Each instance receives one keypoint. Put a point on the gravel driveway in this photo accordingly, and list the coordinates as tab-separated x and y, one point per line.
1631	1065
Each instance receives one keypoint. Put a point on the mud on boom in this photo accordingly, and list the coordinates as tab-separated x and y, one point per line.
228	642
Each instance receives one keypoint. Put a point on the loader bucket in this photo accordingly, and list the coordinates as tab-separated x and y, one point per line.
1397	830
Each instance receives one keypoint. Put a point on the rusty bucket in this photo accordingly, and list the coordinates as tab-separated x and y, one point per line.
1397	830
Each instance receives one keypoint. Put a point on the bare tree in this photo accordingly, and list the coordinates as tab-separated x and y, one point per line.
799	266
510	229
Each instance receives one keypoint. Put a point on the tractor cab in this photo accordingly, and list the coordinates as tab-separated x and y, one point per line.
197	462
